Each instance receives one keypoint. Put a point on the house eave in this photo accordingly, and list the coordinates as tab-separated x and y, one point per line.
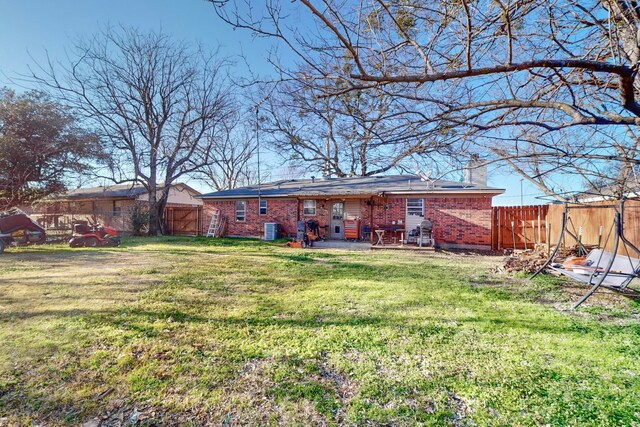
87	199
246	196
443	192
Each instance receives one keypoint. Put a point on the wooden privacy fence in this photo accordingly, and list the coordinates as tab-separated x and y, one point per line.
593	222
518	227
183	220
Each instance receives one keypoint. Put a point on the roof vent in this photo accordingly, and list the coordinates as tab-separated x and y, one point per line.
313	178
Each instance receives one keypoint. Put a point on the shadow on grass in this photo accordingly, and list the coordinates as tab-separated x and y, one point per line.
132	242
145	321
124	319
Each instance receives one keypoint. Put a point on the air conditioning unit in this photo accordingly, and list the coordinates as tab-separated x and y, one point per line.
270	231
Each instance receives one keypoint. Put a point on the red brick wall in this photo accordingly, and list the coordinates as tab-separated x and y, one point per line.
322	212
457	221
282	211
460	220
385	211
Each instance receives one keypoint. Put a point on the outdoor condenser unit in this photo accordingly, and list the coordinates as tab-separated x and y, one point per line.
301	230
270	231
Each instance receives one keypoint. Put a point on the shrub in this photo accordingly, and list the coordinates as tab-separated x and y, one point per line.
139	219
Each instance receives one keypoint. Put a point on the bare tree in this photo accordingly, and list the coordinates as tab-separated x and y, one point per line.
352	134
161	104
231	163
518	78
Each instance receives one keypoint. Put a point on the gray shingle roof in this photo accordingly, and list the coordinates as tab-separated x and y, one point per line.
120	191
355	186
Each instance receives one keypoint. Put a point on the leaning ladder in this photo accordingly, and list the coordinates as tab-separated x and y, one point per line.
215	225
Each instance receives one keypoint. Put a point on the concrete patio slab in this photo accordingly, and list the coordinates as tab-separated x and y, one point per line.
341	244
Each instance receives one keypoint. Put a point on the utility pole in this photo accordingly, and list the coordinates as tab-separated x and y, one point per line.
258	150
521	193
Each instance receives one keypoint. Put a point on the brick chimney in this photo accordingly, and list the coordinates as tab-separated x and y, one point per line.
475	171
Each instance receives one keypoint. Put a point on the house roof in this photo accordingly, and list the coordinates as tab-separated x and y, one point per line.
120	191
353	186
631	190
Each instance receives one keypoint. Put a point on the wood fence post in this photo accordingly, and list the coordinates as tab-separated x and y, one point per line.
539	231
548	234
499	229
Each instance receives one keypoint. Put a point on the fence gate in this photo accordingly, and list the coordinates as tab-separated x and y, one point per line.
519	227
183	220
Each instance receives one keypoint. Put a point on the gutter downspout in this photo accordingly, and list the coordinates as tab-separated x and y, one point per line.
371	220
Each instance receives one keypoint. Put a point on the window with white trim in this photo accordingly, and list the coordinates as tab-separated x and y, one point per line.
263	207
309	207
415	207
241	211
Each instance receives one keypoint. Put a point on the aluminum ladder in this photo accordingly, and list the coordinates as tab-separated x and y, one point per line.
215	225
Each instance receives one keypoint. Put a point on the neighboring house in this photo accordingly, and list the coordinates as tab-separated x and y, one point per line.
460	211
610	192
110	205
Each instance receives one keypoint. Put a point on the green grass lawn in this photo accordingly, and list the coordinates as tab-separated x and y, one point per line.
237	332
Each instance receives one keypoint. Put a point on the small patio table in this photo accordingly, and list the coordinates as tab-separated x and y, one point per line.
380	241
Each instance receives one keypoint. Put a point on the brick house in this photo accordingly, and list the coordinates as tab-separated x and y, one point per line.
460	211
110	205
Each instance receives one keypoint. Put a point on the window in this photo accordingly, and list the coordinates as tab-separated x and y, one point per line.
117	208
415	207
309	207
241	211
263	207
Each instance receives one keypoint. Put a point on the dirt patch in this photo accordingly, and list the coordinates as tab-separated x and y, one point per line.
253	404
459	409
344	387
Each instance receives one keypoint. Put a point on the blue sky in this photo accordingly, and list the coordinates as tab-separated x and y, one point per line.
29	28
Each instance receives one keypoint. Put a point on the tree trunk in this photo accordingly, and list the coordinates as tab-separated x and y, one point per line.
161	205
153	213
162	224
154	218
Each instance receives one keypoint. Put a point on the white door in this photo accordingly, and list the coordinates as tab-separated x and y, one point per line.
336	225
415	214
